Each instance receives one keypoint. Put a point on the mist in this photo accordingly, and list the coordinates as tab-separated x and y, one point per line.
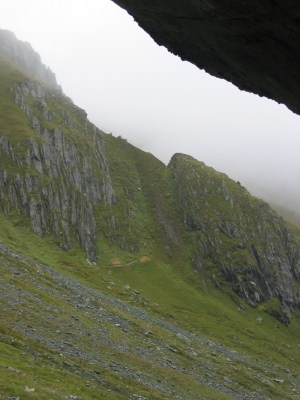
131	87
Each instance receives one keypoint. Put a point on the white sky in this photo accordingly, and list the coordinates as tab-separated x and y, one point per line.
132	87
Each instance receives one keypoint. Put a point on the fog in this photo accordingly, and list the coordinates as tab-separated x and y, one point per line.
132	87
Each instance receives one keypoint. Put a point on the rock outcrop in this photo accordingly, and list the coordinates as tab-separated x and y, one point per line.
62	176
51	178
253	44
237	238
23	56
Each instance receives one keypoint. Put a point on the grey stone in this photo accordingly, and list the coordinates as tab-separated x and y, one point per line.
22	55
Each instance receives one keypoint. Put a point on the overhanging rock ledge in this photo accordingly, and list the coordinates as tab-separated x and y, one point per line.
253	44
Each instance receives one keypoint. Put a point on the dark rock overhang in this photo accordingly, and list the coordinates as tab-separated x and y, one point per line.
253	44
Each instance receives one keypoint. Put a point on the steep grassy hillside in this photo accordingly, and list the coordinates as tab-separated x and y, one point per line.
64	332
236	237
125	278
82	186
72	180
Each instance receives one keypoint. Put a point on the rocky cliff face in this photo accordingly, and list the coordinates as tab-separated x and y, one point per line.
23	56
236	237
52	179
253	44
53	165
65	178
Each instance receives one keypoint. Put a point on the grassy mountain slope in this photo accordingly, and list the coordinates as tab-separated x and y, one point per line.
236	237
64	332
125	278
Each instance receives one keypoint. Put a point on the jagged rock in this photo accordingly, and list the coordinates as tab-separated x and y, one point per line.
61	194
22	55
78	184
242	241
251	44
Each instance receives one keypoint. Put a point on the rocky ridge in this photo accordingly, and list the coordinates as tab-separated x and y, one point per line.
60	186
70	180
237	237
24	57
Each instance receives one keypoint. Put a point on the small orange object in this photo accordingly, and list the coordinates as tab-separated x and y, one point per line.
115	261
144	259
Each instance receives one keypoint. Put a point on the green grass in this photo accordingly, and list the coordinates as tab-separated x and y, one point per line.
198	308
19	371
164	214
202	308
295	228
43	369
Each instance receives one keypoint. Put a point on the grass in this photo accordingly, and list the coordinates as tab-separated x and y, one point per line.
202	310
54	382
155	229
295	228
228	231
43	369
208	310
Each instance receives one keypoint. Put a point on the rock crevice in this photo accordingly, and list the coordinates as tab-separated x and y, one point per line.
61	186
